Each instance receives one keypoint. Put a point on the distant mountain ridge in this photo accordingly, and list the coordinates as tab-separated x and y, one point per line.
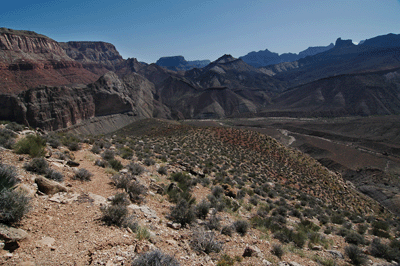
266	58
177	63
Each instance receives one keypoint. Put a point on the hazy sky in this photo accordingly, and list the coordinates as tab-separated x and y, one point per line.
199	29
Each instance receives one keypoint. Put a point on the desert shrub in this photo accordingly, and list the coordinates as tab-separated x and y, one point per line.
182	213
227	230
108	155
54	175
382	225
296	213
53	140
38	166
114	214
277	250
14	204
204	241
7	138
72	142
380	250
307	226
226	260
355	255
83	175
380	233
299	238
162	170
283	235
217	191
135	169
337	219
202	209
354	238
120	198
115	164
213	223
142	233
126	153
136	191
95	149
362	228
149	162
34	145
241	227
130	222
15	127
8	176
254	200
155	258
122	180
281	210
323	219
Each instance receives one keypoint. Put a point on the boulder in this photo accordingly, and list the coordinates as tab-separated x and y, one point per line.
11	234
49	187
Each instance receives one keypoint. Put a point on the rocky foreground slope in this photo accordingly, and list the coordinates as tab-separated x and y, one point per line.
203	196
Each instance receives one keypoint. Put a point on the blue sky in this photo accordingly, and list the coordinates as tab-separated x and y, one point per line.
148	30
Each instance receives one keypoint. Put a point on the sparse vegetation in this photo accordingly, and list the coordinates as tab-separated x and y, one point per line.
83	175
14	204
155	258
38	166
204	241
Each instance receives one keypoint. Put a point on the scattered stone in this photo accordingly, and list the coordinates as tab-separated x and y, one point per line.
318	247
251	251
11	234
64	197
266	263
72	163
336	254
48	186
157	188
46	241
30	191
148	213
175	226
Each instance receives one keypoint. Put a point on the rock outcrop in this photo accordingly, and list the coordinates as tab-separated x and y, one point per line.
28	59
53	108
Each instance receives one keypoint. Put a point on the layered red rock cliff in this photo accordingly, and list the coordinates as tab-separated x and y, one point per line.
28	60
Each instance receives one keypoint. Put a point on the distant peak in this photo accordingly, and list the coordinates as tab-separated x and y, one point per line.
225	59
343	43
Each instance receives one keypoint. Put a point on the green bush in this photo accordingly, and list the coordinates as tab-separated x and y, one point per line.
38	166
115	164
380	250
136	191
355	255
8	176
155	258
241	227
14	204
277	250
202	209
204	241
7	138
83	175
337	219
182	213
354	238
34	145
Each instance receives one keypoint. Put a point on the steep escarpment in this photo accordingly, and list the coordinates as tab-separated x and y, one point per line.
98	57
53	108
28	60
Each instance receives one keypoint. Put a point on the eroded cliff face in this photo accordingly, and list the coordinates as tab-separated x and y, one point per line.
54	108
98	57
28	60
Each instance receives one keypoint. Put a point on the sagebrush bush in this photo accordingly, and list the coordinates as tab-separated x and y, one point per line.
162	170
354	238
213	223
120	198
135	169
277	250
149	162
202	209
136	191
380	250
227	230
241	227
114	214
83	175
182	213
38	166
155	258
108	155
115	164
54	175
101	163
355	255
8	176
7	138
14	204
95	149
204	241
122	180
34	145
15	127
